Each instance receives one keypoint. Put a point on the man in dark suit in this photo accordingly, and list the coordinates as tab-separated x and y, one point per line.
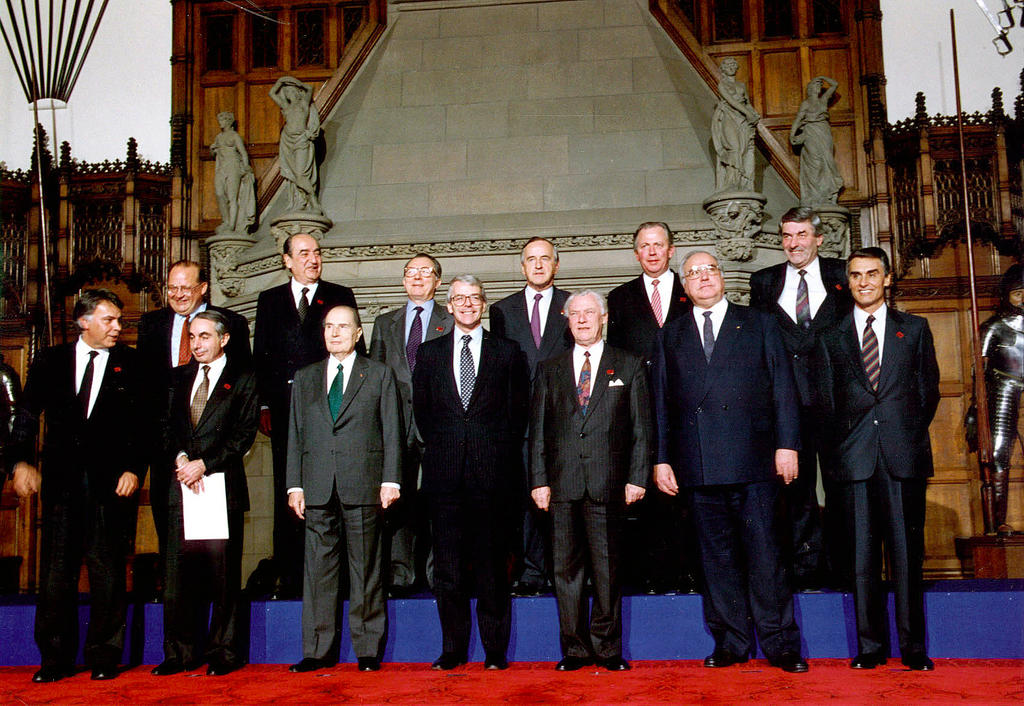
163	345
664	540
470	394
208	426
396	339
344	464
726	425
807	294
880	382
289	336
533	318
88	392
589	458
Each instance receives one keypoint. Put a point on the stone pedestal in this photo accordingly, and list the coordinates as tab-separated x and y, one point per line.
835	228
225	254
737	216
299	222
993	557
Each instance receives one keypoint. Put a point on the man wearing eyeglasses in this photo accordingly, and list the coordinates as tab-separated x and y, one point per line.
470	397
163	344
727	424
396	339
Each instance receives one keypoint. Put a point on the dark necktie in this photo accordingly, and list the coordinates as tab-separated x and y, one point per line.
659	315
85	389
303	306
467	374
336	393
199	399
709	336
535	320
869	354
415	338
583	388
184	349
803	303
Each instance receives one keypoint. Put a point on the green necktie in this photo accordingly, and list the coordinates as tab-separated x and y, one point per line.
336	393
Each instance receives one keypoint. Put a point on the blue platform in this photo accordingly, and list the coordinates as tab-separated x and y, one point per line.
968	619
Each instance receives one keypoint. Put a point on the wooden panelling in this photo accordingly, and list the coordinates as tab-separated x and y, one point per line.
783	89
264	117
834	62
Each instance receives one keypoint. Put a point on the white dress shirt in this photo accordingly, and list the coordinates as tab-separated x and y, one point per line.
595	360
717	316
216	368
475	345
99	365
545	304
177	323
297	292
665	282
860	320
815	288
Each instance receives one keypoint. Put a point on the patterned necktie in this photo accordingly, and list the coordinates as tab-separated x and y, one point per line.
803	303
869	354
336	393
656	304
709	336
535	319
85	389
199	399
415	338
583	388
184	349
467	374
303	306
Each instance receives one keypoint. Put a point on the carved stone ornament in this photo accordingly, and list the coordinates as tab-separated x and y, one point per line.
737	216
225	253
735	249
835	229
298	222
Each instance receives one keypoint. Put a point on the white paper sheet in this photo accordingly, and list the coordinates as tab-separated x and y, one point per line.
206	514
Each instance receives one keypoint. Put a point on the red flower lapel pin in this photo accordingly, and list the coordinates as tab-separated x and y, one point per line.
320	302
227	386
839	287
899	334
440	328
117	368
610	371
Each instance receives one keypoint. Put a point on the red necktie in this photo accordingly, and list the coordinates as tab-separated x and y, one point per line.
184	349
656	304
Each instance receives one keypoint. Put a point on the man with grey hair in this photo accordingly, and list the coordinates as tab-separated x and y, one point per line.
589	458
470	396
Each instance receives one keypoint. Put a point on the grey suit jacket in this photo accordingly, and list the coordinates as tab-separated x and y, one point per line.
355	453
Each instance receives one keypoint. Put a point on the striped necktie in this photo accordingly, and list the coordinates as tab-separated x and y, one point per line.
869	354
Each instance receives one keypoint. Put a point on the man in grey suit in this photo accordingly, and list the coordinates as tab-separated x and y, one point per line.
589	458
344	463
396	339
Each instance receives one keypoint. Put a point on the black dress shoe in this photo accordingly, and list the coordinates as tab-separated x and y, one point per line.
104	672
525	589
495	660
867	660
789	661
219	669
723	658
448	661
47	675
310	664
615	664
569	663
369	664
168	667
399	592
918	661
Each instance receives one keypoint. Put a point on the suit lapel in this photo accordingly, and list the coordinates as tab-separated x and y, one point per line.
678	306
599	379
892	350
553	327
355	382
728	335
850	337
110	375
439	324
566	377
217	396
483	370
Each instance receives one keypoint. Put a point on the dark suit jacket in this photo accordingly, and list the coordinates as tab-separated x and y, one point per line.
631	323
100	448
387	345
591	456
510	319
281	345
154	343
224	433
765	289
479	450
721	422
354	454
891	424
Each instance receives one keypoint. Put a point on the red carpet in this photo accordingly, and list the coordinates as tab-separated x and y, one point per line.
990	681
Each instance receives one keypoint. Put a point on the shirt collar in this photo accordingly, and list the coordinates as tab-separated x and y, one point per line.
216	366
860	317
297	288
812	268
531	292
666	275
717	309
595	350
477	334
410	306
346	362
82	349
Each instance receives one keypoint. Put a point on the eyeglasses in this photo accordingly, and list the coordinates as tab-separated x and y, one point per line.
183	290
700	270
411	272
460	299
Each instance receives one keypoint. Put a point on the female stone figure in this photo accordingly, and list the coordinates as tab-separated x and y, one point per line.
732	132
297	149
233	178
811	132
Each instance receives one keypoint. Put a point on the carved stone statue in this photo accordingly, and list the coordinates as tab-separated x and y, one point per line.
732	132
233	178
297	149
811	134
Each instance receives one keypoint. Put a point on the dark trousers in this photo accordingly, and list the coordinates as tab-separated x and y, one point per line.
536	531
357	529
202	575
884	508
588	533
406	528
158	505
289	535
471	532
742	571
801	536
77	528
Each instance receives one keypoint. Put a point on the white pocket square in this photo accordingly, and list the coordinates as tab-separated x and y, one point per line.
616	383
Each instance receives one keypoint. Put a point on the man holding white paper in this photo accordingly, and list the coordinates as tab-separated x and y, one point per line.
208	426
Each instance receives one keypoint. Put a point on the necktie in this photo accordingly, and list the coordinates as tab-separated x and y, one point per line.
199	400
709	336
535	319
184	349
869	354
336	393
656	304
467	374
85	389
415	338
803	304
583	388
303	306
